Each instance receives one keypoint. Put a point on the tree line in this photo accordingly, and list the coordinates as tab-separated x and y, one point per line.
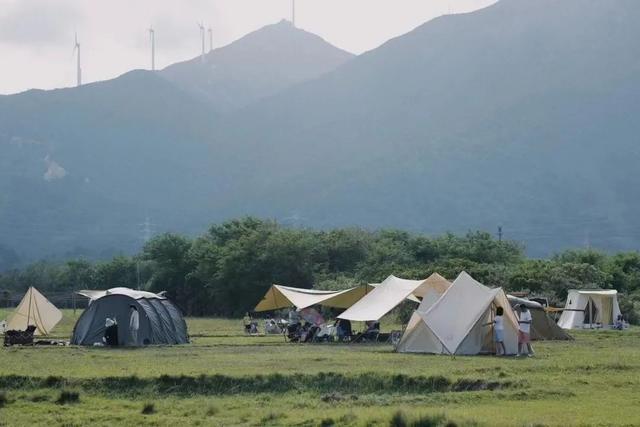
225	271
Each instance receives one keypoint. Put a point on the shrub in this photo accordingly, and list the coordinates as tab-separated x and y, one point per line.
327	422
67	397
148	409
3	399
399	419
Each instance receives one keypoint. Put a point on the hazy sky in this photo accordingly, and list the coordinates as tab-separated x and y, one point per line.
36	36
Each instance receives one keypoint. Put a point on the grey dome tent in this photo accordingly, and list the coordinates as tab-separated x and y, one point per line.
161	322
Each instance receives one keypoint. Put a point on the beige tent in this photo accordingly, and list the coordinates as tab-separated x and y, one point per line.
34	309
278	297
390	293
456	323
590	309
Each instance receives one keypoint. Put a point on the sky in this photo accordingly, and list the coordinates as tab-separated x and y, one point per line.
37	36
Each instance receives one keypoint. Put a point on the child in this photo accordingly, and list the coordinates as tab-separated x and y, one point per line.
498	332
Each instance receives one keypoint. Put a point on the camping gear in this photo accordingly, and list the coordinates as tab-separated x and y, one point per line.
390	293
460	322
590	309
160	321
543	327
34	309
13	337
278	297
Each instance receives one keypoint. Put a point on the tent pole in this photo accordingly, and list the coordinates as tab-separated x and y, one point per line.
29	309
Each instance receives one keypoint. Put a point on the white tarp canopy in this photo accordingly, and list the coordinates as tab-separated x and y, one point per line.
36	310
456	323
391	292
94	294
589	309
278	297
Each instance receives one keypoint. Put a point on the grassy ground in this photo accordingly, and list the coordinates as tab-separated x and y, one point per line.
225	378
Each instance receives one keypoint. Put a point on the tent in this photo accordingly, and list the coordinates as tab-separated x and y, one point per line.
161	322
390	293
590	309
543	327
455	324
278	297
36	310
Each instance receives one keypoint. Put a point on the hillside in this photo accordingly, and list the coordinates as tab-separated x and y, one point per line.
520	114
257	65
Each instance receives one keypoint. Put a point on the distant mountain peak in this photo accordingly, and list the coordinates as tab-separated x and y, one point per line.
256	66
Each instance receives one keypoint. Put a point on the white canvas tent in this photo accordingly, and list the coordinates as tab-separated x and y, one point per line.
455	324
278	297
36	310
590	309
391	292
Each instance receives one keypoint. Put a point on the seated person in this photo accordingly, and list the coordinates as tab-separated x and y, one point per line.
246	320
619	323
110	332
373	329
343	329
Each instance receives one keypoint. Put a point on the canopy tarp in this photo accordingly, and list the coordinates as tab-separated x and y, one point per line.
279	296
36	310
95	294
391	292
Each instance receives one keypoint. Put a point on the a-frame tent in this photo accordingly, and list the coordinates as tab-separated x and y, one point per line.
36	310
457	322
278	297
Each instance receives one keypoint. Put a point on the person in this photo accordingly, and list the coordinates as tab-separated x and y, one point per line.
343	329
134	324
524	331
372	331
498	331
619	324
110	332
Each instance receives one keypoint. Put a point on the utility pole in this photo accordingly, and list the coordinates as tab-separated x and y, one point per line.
499	233
146	236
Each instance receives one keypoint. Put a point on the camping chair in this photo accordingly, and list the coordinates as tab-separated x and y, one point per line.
19	337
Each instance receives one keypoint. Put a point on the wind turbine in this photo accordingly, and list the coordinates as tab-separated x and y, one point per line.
210	39
293	12
152	36
76	51
202	37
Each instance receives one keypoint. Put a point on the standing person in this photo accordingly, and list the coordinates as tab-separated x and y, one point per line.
524	331
134	324
498	331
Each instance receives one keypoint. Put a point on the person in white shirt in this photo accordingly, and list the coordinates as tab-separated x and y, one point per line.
524	332
498	331
134	324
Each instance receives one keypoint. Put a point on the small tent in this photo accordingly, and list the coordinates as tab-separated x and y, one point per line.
36	310
161	322
456	322
391	292
590	309
543	327
278	297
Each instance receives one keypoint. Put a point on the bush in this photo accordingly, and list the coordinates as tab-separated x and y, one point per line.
67	397
148	409
399	419
3	399
327	422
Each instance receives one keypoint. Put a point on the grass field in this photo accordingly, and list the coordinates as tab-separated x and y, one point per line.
225	379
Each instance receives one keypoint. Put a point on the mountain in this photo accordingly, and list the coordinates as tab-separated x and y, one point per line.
82	168
258	65
522	114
